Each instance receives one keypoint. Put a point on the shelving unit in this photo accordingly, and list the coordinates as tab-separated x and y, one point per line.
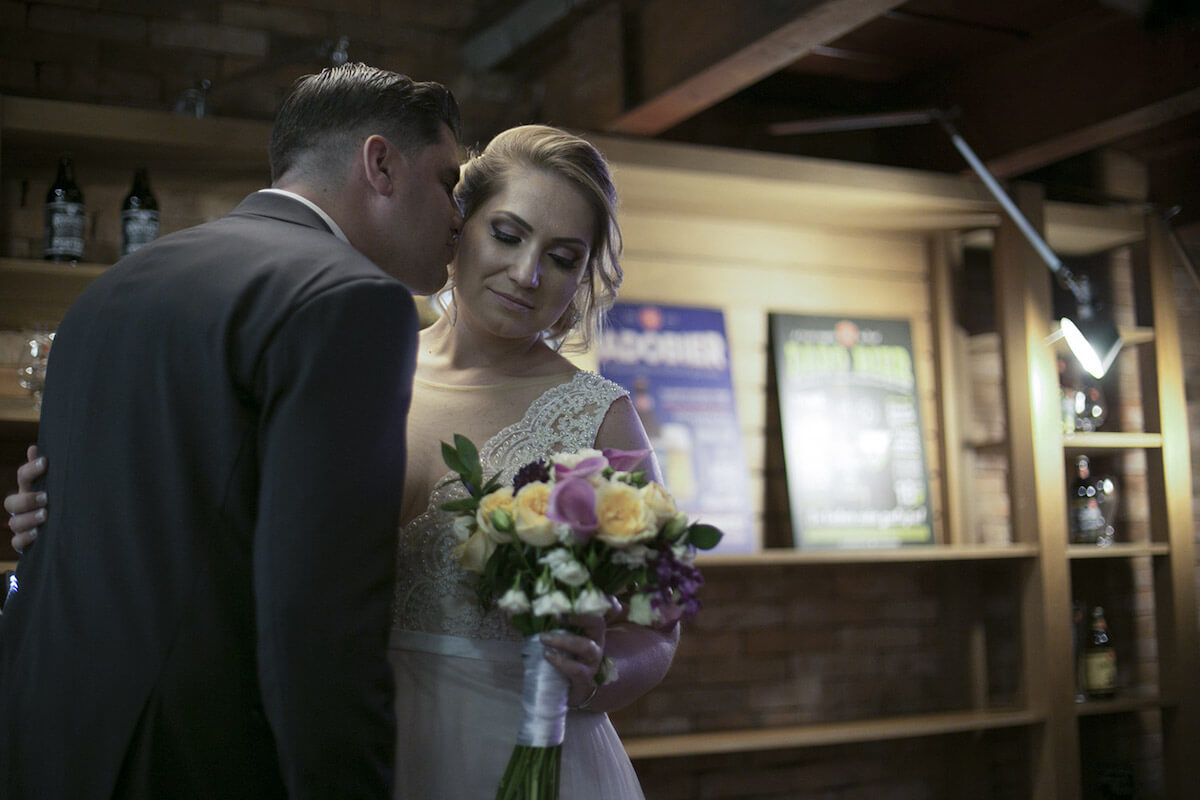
1034	562
820	735
1037	451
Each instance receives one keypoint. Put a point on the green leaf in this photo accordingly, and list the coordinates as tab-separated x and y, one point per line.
704	537
467	453
451	457
462	504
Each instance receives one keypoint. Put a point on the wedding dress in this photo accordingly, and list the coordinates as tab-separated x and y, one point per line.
458	669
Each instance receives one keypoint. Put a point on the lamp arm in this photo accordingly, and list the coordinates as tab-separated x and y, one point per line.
1064	275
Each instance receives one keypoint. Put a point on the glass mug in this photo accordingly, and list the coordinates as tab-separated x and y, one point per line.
31	371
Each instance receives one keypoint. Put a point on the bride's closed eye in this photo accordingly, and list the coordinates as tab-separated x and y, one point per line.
504	236
567	262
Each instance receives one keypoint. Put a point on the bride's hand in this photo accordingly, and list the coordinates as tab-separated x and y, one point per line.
27	508
578	657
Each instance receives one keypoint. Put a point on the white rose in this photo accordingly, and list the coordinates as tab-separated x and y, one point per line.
497	504
555	557
514	601
565	568
551	605
473	554
659	503
684	554
592	601
640	610
463	527
531	525
543	586
633	556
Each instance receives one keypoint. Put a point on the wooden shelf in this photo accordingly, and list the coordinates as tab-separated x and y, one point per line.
890	555
1135	335
833	733
17	409
5	566
1077	442
1124	701
990	446
39	130
1118	550
37	293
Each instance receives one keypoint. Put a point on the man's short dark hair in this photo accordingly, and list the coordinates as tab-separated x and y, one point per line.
333	111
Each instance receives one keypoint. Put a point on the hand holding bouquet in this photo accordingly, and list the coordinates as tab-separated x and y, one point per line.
571	535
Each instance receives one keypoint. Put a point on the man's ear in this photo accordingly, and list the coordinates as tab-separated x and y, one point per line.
381	163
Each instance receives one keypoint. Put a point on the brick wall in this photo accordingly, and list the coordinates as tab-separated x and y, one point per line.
145	53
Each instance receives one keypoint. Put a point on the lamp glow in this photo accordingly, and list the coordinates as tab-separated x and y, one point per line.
1094	342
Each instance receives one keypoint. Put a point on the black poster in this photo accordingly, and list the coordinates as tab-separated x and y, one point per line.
851	426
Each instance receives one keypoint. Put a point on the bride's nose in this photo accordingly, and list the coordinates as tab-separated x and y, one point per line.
525	270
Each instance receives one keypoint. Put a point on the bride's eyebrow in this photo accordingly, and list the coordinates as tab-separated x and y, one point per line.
529	229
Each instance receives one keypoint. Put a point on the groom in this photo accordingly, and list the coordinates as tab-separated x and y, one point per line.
206	612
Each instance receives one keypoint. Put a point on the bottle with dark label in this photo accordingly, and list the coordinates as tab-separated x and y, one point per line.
139	214
65	220
1099	667
1083	506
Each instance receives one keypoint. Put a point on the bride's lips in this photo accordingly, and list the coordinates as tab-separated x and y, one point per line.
514	303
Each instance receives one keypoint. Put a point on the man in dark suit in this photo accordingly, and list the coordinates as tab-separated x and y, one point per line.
205	614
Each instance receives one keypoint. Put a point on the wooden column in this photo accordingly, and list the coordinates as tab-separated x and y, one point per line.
1170	487
1037	488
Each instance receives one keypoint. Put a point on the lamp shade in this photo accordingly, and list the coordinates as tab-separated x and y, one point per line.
1093	338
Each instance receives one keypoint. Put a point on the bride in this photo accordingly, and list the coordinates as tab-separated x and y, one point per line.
537	260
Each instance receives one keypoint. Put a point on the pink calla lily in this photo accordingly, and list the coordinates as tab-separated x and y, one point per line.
625	460
593	465
572	502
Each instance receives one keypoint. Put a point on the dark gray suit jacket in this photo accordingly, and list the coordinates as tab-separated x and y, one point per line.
206	610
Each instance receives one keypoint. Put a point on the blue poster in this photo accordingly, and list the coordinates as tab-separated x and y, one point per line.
675	363
852	438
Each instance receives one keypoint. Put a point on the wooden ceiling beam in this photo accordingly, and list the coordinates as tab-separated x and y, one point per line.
689	55
1089	84
1096	135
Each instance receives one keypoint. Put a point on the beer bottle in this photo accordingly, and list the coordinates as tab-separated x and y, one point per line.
139	214
1099	659
1086	518
65	222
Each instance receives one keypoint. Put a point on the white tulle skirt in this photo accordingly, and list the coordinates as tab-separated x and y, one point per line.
458	707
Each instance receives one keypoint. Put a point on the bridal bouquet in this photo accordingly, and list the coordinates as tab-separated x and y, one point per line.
571	535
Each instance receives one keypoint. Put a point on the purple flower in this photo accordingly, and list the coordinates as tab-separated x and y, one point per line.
592	465
677	586
533	472
573	503
625	460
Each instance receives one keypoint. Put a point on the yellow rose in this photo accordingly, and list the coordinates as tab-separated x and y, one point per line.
474	553
622	515
659	502
499	500
530	524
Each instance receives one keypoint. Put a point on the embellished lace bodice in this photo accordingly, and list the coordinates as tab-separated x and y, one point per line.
433	593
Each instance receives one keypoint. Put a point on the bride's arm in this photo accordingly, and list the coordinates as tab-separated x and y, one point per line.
641	655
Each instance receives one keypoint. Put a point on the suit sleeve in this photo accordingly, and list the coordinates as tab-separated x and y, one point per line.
335	382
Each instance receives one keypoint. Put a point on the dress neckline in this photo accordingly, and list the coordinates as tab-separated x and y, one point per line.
554	379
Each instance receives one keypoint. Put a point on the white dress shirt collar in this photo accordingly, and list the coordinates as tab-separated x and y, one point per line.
333	226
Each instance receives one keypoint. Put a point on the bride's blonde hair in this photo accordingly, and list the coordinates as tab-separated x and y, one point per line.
580	163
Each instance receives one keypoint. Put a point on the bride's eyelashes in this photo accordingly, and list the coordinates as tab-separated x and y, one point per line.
567	263
506	238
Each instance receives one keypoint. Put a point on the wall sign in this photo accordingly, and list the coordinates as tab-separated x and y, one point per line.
852	436
675	363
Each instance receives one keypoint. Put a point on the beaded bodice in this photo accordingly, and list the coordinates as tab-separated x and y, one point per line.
433	593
